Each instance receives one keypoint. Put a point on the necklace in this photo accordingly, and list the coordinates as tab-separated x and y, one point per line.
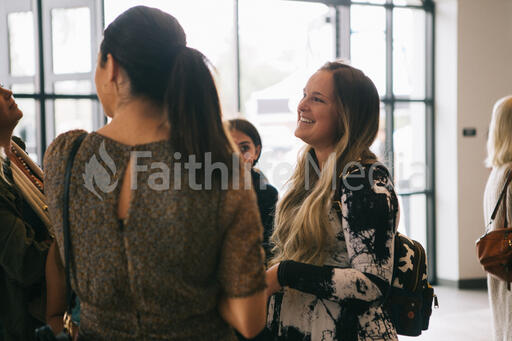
26	169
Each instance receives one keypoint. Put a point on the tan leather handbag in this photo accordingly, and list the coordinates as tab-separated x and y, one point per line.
494	248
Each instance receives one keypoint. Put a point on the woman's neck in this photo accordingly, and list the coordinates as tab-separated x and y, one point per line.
137	122
5	142
322	154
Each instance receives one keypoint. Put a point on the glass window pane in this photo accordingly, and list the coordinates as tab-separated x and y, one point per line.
71	40
80	87
276	60
409	52
21	44
278	57
73	114
26	128
368	43
408	2
370	1
23	88
409	146
217	42
413	217
379	145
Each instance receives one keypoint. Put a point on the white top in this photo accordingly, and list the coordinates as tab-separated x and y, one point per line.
500	298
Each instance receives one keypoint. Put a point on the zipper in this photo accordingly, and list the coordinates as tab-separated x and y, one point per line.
436	302
131	278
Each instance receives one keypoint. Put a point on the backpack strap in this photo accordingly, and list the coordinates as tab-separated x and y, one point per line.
65	222
339	187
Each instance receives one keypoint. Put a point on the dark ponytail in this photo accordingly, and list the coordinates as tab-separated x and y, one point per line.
150	46
193	109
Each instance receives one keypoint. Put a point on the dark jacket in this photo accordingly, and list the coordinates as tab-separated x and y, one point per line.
24	243
267	198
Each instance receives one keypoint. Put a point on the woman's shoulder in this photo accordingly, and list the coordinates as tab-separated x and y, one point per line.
8	194
61	145
261	184
369	176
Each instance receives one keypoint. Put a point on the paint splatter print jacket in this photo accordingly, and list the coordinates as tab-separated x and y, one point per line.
341	300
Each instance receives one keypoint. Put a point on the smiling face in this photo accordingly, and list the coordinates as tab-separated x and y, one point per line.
248	150
10	114
317	118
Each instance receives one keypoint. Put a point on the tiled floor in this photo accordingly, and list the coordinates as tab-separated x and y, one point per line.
463	315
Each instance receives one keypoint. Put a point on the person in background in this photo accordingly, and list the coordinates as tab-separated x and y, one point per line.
333	252
499	158
249	144
158	250
24	231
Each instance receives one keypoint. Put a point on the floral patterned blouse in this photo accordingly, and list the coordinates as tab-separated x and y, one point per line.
159	274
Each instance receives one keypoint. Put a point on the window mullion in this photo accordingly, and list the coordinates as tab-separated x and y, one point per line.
40	77
236	15
430	143
390	105
342	27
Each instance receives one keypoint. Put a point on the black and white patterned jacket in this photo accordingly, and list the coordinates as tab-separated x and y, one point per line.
341	300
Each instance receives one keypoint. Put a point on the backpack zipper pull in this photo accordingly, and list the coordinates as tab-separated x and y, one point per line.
436	302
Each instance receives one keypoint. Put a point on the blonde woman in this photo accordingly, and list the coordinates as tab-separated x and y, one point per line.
24	236
332	268
499	158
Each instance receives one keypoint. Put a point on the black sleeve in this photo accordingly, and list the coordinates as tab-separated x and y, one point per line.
312	279
320	280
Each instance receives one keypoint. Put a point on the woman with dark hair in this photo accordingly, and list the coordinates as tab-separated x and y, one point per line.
333	258
24	231
160	247
248	140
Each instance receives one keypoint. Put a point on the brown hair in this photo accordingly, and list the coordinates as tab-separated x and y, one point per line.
248	129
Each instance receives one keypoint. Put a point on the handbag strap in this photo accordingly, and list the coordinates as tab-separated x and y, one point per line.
65	221
502	195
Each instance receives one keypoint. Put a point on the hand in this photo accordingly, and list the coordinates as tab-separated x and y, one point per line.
273	285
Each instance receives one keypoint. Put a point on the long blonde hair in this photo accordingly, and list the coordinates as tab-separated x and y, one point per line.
302	231
499	143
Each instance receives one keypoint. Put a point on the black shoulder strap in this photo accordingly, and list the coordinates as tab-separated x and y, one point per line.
339	183
336	199
502	195
65	220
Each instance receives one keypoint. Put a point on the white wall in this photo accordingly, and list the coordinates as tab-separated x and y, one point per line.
446	141
474	69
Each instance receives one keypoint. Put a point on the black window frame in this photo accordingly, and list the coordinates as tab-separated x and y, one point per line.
390	101
42	37
341	9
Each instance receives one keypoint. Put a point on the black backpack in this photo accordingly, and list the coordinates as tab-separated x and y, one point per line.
409	298
408	301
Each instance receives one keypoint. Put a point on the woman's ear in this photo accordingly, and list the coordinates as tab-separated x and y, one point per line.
112	68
